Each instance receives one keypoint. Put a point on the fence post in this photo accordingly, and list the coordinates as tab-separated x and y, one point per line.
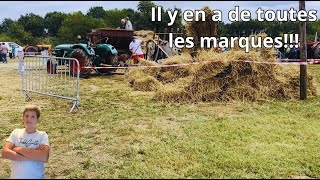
303	56
44	60
20	55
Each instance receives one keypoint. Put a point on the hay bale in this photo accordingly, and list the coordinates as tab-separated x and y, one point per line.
171	74
244	81
152	71
146	83
173	92
197	29
177	59
144	34
141	81
200	86
133	75
210	69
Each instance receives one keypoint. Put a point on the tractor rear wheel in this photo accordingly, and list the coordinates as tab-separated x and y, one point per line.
112	60
52	66
84	61
31	50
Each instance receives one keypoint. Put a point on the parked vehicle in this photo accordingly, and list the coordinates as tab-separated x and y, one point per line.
9	46
37	49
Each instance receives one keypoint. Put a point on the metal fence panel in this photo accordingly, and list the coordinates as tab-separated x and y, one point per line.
51	76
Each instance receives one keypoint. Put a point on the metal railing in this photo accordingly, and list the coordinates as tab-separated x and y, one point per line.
51	76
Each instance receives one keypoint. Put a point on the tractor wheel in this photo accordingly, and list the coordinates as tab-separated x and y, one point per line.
84	61
111	60
52	66
31	50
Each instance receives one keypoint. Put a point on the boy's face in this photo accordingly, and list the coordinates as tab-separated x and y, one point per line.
30	119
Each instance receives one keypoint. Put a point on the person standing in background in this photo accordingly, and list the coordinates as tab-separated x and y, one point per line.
4	53
1	59
128	24
13	51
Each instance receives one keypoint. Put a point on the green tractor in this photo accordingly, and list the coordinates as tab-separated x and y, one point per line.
103	49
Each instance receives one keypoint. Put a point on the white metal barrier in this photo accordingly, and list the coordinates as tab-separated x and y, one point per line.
52	76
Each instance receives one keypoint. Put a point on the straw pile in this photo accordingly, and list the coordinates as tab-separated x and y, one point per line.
171	74
226	80
143	34
141	81
197	29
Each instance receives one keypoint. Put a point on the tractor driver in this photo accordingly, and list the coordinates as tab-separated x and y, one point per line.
135	49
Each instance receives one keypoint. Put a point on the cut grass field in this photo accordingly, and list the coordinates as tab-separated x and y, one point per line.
121	133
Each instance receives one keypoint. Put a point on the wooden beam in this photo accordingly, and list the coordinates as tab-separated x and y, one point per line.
303	55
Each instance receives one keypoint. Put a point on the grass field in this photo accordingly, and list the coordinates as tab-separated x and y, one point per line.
120	133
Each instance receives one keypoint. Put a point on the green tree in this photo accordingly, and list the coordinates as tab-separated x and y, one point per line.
113	17
78	24
144	15
49	40
33	23
97	12
166	19
316	25
19	35
6	24
53	21
5	38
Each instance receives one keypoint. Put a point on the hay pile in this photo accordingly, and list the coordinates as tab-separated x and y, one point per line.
197	29
225	80
172	74
143	79
145	35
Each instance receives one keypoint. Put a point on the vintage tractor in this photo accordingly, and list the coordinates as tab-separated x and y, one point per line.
102	49
28	49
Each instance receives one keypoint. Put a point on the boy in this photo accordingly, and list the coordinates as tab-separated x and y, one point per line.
28	148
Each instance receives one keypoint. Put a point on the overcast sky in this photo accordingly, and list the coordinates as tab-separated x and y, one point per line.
14	9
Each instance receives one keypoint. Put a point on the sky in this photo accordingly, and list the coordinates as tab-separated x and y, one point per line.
14	9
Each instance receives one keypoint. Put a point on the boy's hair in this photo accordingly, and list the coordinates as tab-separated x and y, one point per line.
32	108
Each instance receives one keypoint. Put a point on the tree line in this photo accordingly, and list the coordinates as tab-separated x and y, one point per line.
273	29
58	27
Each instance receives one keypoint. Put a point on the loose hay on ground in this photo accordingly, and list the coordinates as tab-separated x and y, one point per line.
146	83
171	74
152	70
174	92
228	80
